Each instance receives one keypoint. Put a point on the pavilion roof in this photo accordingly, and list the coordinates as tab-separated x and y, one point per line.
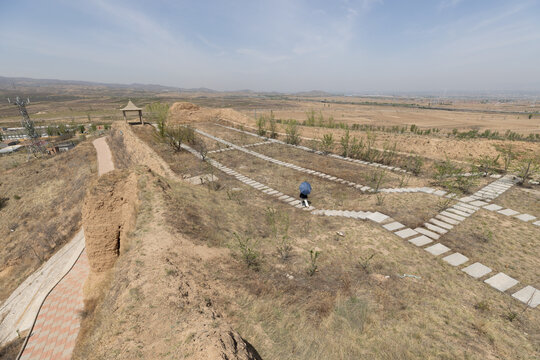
131	107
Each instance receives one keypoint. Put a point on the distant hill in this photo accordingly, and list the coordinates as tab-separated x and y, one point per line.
12	83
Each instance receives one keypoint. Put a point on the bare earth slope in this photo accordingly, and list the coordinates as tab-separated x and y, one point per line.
158	304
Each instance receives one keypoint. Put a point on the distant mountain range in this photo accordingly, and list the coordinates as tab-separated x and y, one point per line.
12	83
8	84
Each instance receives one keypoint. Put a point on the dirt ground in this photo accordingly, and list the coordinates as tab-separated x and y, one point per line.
423	118
524	200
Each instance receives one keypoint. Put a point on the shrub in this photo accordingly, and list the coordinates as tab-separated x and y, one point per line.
482	305
487	164
248	251
345	142
311	118
279	227
261	125
356	148
312	267
273	126
200	147
292	135
175	136
158	113
526	167
327	143
365	263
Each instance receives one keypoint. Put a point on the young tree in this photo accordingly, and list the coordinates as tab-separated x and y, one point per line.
273	126
292	135
345	139
527	167
261	125
507	153
327	143
158	113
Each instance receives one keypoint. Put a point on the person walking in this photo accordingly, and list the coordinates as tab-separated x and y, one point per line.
305	190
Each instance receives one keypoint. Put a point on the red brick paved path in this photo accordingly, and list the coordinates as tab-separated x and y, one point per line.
58	322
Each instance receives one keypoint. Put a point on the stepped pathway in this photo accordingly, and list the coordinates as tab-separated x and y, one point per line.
328	177
57	325
421	236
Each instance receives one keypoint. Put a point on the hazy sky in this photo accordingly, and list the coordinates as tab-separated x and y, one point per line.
283	45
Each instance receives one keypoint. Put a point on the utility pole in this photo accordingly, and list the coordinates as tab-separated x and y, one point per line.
35	147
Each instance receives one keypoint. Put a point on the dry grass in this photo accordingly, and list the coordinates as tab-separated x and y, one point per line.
43	210
524	200
344	311
11	350
500	242
13	160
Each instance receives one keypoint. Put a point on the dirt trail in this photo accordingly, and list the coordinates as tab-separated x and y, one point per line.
105	163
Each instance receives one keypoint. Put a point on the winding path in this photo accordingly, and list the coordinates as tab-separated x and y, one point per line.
57	325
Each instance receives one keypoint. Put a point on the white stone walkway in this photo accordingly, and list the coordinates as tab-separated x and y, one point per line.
392	168
421	236
363	188
431	231
244	146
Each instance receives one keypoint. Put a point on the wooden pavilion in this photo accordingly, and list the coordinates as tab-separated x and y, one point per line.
130	107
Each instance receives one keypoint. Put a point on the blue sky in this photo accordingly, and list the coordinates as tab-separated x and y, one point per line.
279	45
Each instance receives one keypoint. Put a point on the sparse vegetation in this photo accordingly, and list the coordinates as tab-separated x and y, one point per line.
158	113
261	126
249	252
526	167
312	267
293	136
327	143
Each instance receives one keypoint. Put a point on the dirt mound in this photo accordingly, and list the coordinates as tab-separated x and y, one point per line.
186	113
108	212
162	271
184	106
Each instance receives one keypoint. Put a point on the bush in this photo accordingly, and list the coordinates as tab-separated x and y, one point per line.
273	126
158	113
279	227
175	136
261	126
414	164
248	251
487	164
292	135
312	267
526	167
345	142
327	143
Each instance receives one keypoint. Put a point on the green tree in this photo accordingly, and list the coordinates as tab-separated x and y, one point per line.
292	134
261	125
327	143
158	112
273	126
345	142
